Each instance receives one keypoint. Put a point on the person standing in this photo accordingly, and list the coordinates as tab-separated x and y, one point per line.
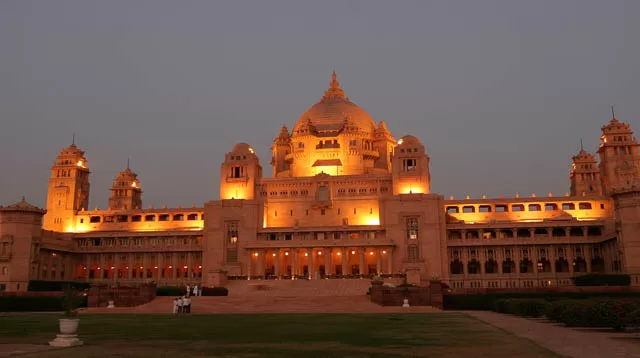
188	304
195	290
180	305
175	306
188	290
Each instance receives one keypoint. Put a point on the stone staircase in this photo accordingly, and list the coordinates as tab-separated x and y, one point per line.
298	288
264	304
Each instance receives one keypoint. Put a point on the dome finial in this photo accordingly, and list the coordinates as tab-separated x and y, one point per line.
334	90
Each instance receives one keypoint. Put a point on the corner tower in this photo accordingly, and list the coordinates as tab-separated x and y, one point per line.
126	192
68	190
619	157
410	167
240	173
585	175
281	148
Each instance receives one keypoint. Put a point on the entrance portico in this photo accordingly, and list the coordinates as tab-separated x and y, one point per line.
317	262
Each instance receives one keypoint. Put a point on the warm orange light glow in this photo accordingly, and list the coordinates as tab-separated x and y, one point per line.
199	266
339	253
371	253
251	150
353	252
80	163
286	254
415	188
169	267
112	267
319	252
400	141
274	254
373	220
134	184
155	267
306	254
185	266
255	254
384	251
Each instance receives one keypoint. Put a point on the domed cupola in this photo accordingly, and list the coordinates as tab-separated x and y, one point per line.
328	116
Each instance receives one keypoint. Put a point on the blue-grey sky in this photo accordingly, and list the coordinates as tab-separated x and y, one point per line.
500	92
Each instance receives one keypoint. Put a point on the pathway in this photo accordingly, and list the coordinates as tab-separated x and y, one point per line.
565	341
266	304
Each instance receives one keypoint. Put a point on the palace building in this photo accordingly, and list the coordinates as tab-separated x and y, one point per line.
345	198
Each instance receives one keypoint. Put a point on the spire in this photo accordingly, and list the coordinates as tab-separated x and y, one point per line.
613	113
128	162
334	91
581	147
73	140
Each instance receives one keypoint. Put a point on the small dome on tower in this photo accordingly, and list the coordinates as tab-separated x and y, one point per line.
242	148
409	140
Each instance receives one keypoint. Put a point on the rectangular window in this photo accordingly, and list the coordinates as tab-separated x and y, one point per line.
232	232
164	217
150	218
136	218
412	228
94	219
412	252
501	208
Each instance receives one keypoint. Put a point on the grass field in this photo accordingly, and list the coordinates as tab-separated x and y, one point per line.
273	335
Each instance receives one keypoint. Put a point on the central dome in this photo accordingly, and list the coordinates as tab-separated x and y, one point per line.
332	112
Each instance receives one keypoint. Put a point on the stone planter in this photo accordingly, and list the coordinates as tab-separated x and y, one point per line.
405	303
111	305
69	325
67	336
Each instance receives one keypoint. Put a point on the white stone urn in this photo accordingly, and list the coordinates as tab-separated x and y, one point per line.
67	336
111	305
69	325
405	303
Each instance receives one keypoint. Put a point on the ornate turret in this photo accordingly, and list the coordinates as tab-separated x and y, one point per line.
585	175
619	156
384	144
68	190
281	148
126	192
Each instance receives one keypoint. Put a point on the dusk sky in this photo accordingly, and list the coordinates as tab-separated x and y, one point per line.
499	92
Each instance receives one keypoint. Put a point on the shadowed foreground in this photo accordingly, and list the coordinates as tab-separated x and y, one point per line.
271	335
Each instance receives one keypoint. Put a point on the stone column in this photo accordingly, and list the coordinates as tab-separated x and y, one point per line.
311	264
160	266
463	234
378	261
390	260
260	262
361	252
570	258
294	262
249	265
327	261
276	262
189	265
344	252
587	256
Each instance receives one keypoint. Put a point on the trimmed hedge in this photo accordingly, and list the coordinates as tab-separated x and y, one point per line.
602	280
487	301
615	314
170	291
36	285
528	307
215	291
35	303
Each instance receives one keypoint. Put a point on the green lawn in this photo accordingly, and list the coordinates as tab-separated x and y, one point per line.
273	335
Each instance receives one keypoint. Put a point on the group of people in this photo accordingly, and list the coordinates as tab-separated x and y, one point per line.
182	304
